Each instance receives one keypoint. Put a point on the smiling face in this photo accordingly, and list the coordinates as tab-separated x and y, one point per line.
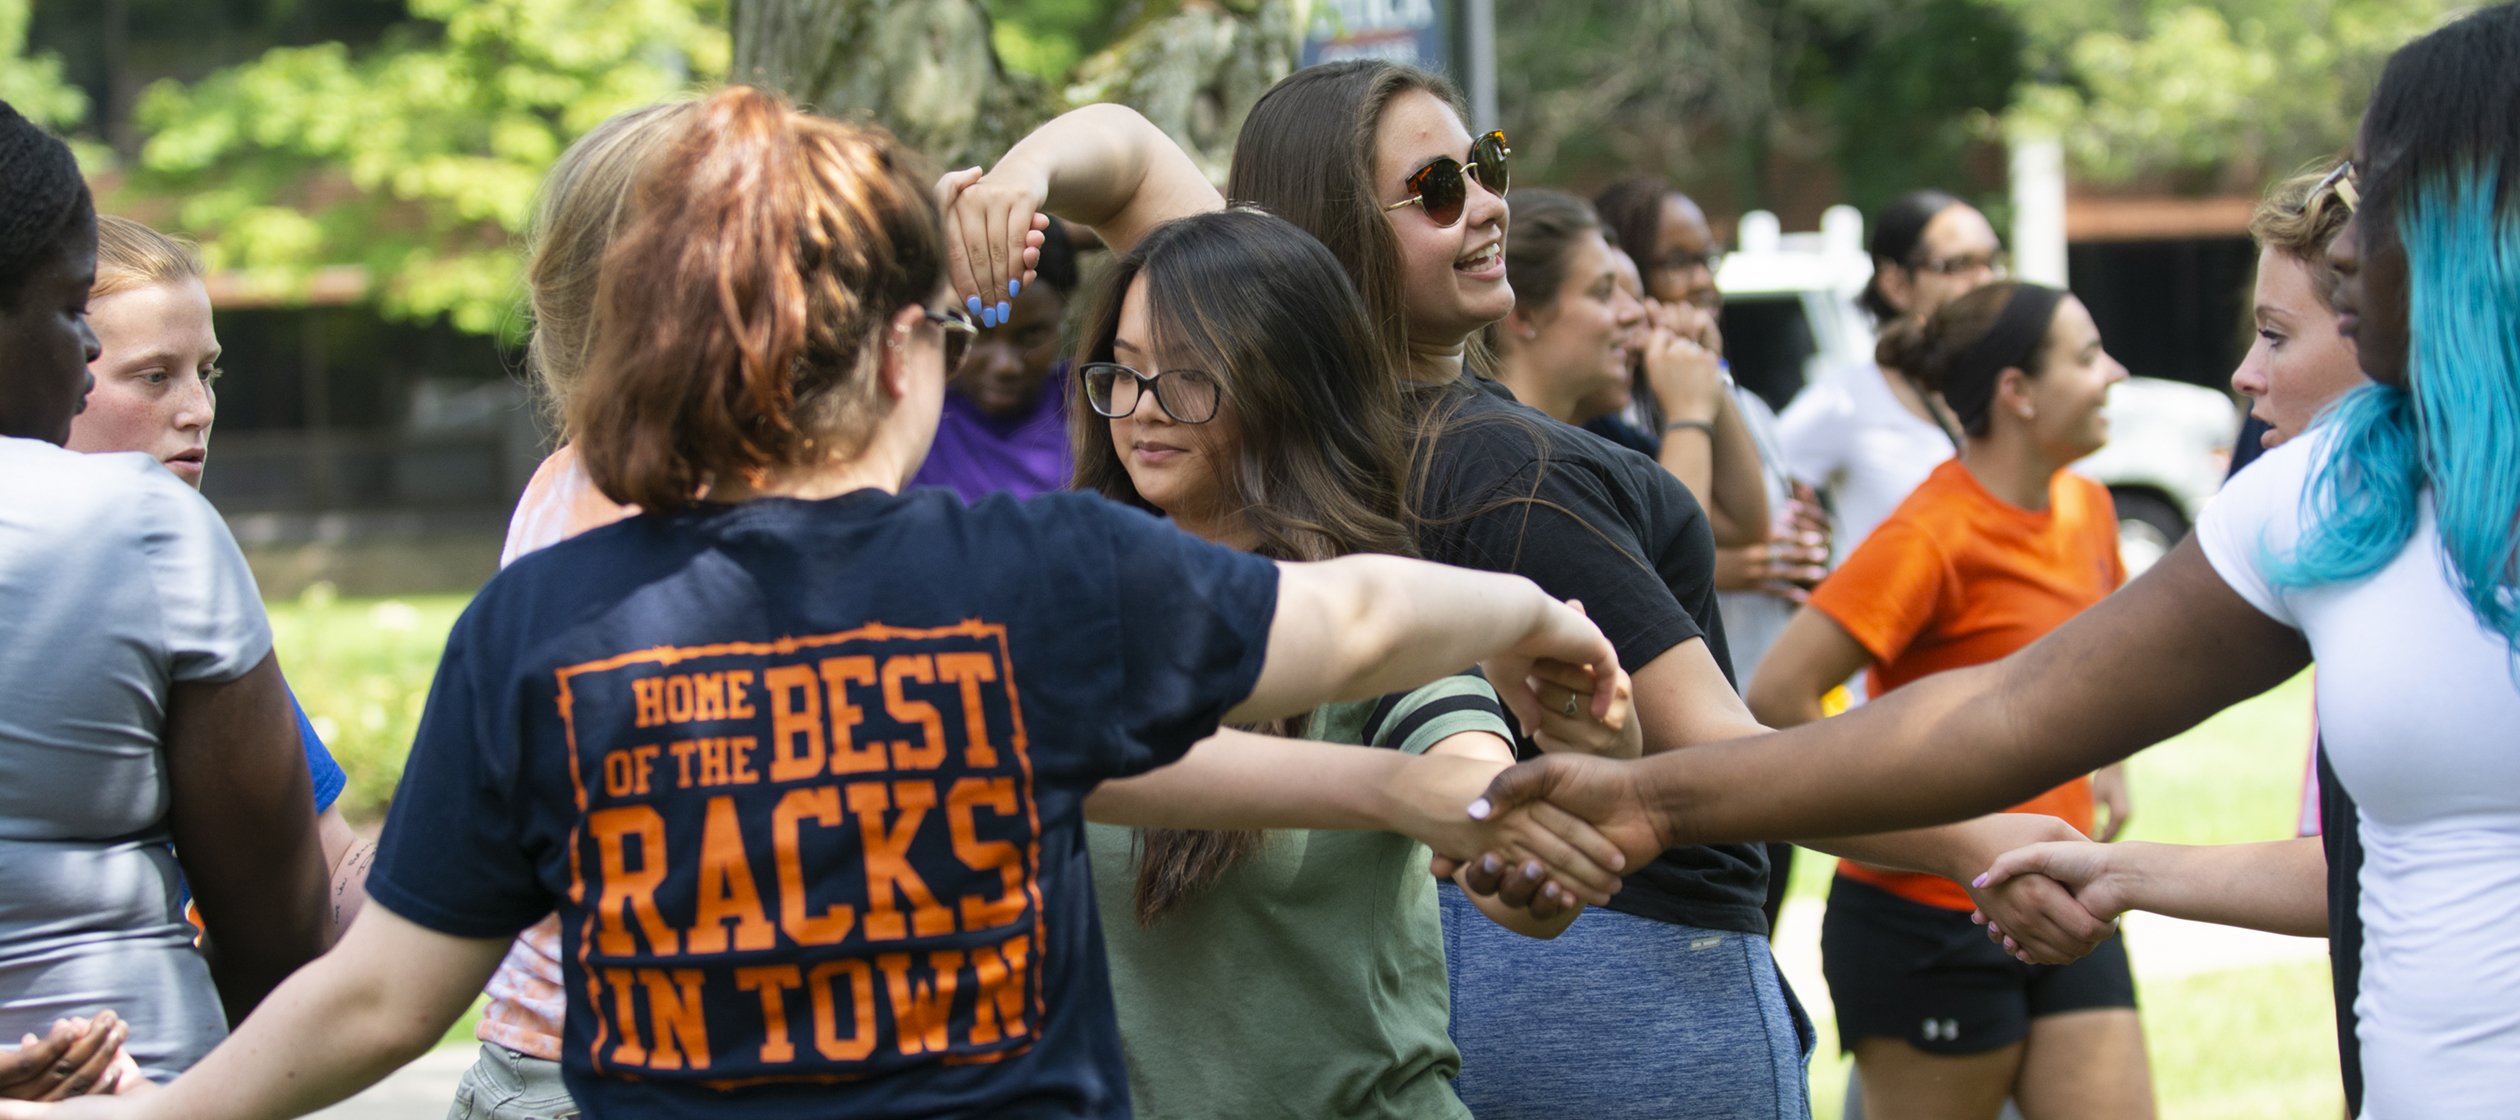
1452	277
2068	402
1178	468
2299	363
154	378
1587	333
45	343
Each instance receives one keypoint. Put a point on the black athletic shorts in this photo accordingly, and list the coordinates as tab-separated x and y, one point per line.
1906	970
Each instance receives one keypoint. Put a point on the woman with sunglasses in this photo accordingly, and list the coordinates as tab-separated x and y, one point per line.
1257	423
1374	161
2379	543
800	763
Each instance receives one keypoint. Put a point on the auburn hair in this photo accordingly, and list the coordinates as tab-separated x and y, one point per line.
736	317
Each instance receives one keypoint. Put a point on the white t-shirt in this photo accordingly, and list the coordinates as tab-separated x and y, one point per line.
1847	434
2421	715
117	582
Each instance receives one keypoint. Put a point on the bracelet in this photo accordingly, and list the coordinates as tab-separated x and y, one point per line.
1706	426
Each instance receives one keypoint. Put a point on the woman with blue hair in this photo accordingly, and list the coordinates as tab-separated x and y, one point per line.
2382	543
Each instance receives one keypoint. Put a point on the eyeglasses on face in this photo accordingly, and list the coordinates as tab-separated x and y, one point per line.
1682	261
1442	186
1186	395
959	331
1995	265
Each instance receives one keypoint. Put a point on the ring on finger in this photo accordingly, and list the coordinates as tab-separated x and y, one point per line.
1568	709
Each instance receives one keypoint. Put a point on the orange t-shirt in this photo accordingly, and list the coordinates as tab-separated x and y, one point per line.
1958	577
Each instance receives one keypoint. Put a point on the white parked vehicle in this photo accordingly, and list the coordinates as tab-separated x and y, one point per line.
1790	315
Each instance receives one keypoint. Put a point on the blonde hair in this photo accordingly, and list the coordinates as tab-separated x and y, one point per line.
584	203
2298	217
130	255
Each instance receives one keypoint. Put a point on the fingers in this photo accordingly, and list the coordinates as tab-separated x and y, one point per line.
1442	866
1513	788
960	233
1554	857
90	1057
1484	875
1579	833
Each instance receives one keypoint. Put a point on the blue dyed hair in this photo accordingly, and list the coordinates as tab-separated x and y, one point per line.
2454	432
2441	172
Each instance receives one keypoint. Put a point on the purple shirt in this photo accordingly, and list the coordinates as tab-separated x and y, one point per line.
977	455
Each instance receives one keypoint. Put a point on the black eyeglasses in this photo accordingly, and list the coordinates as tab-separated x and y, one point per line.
1186	395
1993	264
959	331
1441	188
1682	261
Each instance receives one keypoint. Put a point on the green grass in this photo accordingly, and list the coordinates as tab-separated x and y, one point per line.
362	667
2255	1043
2245	1043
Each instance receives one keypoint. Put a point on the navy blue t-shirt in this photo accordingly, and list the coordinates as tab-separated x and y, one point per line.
804	781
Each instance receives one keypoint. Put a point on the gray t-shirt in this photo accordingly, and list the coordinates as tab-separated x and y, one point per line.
116	582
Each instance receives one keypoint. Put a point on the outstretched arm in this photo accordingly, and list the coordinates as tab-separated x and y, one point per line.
378	1000
1240	780
2147	663
1362	626
2279	886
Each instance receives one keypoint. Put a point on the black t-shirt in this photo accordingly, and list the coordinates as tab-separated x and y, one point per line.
804	781
1507	489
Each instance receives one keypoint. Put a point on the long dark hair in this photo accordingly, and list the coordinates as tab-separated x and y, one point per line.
736	317
1318	461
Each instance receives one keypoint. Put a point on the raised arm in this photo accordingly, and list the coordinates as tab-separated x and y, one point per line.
1102	166
244	826
1362	626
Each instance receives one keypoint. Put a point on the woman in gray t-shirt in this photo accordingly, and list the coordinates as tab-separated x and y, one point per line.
143	711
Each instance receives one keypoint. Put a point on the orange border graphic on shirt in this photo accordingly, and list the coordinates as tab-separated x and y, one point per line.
1020	743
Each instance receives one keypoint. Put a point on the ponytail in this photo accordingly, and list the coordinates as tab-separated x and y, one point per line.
735	319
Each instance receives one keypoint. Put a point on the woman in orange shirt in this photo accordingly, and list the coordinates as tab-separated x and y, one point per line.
1995	549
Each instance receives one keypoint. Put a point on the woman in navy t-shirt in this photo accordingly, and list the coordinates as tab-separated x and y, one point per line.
800	762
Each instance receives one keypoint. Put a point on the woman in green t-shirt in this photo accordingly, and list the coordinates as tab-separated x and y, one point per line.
1230	381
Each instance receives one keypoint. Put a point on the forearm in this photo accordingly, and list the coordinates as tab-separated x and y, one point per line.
1098	165
1688	452
1958	852
338	1025
2279	886
1362	626
1239	780
1739	512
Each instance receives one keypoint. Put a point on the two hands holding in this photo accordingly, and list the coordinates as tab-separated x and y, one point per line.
2051	896
75	1057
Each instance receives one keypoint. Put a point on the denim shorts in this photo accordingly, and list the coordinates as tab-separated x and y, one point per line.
1622	1016
504	1085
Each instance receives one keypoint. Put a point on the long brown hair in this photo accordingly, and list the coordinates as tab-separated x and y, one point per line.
1306	153
1930	351
1316	468
736	315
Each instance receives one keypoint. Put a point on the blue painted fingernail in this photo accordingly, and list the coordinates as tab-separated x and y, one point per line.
1006	312
972	302
988	316
1014	288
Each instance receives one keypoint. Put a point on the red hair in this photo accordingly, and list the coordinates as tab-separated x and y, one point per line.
736	316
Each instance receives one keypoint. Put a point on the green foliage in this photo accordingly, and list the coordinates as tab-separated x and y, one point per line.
1048	38
32	83
417	161
2220	94
361	668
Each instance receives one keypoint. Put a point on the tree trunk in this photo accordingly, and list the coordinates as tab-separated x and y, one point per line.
926	69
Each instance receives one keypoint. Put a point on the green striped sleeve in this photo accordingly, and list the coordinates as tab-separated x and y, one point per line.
1435	712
